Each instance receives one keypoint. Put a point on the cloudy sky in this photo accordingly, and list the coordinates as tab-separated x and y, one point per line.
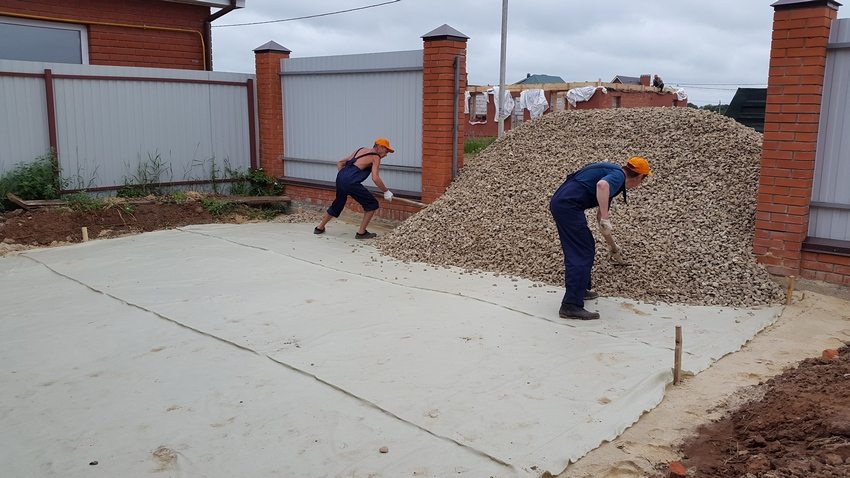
709	47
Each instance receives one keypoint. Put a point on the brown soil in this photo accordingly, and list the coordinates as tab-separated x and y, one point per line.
800	428
49	225
20	229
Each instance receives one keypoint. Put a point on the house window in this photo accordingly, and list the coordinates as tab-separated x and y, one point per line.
479	108
518	114
29	40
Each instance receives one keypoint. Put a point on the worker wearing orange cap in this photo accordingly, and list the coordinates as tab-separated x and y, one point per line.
353	170
594	185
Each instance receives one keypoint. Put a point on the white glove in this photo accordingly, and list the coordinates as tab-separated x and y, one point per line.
606	226
388	195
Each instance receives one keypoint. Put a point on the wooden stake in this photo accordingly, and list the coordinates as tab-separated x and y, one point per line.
85	234
677	360
789	293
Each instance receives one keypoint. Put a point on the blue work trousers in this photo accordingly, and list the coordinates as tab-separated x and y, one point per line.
567	207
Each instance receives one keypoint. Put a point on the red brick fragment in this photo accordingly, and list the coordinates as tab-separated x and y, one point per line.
830	354
677	470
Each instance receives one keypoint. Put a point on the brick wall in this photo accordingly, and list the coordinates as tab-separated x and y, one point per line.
795	85
324	196
126	46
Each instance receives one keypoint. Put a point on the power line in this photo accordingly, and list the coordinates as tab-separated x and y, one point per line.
306	16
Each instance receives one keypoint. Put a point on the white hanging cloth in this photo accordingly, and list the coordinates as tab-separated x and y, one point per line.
509	103
577	95
534	101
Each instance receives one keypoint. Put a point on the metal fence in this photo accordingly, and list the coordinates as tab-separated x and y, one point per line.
334	104
830	206
111	125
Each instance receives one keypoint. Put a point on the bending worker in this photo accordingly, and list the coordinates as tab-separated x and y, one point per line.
594	185
353	170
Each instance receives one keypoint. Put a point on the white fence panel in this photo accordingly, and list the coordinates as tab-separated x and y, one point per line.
112	121
334	104
23	120
830	207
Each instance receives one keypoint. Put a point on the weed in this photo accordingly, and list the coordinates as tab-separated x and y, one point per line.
254	182
147	178
475	145
179	197
35	180
217	208
83	201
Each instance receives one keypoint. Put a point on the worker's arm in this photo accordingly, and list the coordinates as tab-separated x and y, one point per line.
376	175
602	190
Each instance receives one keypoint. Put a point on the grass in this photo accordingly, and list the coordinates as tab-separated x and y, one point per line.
83	201
474	146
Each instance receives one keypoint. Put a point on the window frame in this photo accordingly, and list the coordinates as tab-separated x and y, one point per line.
82	29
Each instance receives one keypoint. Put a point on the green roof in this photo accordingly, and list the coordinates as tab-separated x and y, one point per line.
540	79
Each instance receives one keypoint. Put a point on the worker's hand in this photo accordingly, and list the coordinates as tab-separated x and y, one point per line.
605	226
388	195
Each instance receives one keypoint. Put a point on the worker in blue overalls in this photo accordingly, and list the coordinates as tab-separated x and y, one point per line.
353	170
594	185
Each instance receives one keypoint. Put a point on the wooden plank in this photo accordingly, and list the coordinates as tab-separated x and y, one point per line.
247	200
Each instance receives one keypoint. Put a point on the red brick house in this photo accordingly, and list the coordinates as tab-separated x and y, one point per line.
141	33
622	92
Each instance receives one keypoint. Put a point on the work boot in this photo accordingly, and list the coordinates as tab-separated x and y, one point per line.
570	311
590	295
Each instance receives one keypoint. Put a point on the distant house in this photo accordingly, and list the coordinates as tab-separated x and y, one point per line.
539	79
748	107
146	33
632	80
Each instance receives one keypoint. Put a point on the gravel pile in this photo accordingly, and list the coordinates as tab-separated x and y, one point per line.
687	231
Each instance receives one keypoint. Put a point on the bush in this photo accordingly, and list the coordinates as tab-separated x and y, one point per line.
35	180
254	182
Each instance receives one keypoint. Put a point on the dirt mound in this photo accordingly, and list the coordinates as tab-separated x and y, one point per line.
801	428
688	231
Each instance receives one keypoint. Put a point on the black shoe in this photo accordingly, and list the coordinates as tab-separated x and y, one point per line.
365	235
590	295
570	311
316	230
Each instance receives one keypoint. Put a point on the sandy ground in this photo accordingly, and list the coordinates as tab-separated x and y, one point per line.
818	319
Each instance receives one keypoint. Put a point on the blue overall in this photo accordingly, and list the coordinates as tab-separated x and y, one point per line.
348	183
567	206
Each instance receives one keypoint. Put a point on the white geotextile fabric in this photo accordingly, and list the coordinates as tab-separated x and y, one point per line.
577	95
454	359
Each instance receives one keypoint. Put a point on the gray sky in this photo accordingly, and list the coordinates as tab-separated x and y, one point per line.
696	44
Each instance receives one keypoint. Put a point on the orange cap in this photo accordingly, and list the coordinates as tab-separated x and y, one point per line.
639	165
385	143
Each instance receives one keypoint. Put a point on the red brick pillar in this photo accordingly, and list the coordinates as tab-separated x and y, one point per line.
267	60
794	89
439	98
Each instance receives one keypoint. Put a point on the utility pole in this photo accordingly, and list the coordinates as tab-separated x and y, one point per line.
501	101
